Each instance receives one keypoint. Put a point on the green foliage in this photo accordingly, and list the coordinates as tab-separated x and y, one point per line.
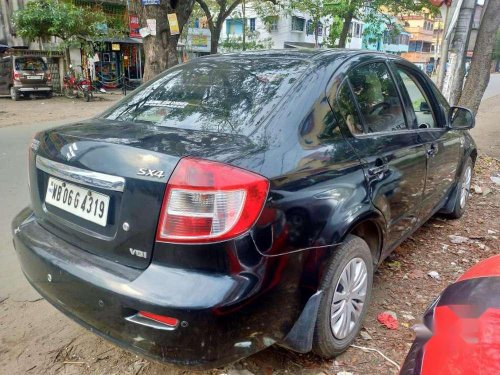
252	42
496	48
41	19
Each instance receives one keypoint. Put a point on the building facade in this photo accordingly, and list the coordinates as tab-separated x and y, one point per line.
386	38
287	30
421	45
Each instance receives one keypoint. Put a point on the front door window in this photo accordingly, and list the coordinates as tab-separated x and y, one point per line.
378	98
424	118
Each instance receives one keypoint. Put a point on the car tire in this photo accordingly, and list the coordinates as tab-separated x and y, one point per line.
463	191
331	337
14	94
49	95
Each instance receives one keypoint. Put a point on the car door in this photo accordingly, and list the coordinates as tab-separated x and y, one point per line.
393	159
428	118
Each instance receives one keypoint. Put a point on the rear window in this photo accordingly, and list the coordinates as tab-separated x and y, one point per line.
213	94
30	63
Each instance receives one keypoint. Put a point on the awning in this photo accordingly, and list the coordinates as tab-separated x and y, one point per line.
118	40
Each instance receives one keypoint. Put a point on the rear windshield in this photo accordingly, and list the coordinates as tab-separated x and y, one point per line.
213	94
30	63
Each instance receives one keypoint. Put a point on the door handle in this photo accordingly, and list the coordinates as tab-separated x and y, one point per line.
433	149
379	169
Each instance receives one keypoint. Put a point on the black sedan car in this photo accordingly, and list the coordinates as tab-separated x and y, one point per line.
241	200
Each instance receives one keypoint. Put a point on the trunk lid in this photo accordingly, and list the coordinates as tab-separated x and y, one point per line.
130	164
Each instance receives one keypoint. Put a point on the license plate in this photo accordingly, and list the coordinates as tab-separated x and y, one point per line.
34	77
81	202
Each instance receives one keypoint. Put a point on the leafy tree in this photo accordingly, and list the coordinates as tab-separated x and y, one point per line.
316	9
42	19
342	12
252	43
216	12
373	12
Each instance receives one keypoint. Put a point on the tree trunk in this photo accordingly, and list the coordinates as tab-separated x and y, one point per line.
66	60
454	78
160	50
479	73
345	29
214	38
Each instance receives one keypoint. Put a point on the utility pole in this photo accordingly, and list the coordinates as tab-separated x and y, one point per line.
244	25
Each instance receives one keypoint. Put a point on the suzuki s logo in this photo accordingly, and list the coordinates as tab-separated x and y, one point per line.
138	253
71	153
151	173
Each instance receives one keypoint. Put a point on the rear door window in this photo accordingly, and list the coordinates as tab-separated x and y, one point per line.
378	98
30	63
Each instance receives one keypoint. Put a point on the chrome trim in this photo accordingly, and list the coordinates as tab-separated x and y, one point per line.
81	176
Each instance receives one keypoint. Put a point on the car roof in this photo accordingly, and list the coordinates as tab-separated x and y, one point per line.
308	54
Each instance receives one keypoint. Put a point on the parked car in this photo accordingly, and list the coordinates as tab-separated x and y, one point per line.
241	200
24	75
460	333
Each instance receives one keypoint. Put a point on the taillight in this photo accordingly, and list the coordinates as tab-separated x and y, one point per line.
16	76
207	201
48	76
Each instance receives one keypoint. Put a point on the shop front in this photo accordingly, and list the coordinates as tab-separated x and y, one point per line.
118	62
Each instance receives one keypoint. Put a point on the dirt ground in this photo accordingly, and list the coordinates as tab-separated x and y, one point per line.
56	109
36	339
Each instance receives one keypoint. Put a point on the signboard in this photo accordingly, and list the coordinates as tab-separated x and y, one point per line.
173	24
198	40
134	26
151	25
144	32
115	47
150	2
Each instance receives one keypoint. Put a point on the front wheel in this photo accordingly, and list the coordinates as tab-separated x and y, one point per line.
346	285
69	92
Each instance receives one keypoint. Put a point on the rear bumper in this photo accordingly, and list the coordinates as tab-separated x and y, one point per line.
100	294
35	88
23	87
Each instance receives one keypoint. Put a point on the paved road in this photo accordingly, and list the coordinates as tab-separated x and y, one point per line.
15	137
493	88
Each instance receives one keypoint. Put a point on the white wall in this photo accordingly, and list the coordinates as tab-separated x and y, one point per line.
284	33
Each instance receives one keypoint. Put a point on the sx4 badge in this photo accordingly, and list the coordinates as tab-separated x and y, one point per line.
146	172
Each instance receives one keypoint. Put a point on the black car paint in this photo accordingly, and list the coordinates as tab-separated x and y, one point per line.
239	296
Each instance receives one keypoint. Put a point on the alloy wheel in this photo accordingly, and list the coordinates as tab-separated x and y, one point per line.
349	298
464	194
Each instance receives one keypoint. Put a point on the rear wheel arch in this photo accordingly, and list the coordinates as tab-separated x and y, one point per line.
369	230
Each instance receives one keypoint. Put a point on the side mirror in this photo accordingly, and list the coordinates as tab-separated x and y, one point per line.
424	107
460	118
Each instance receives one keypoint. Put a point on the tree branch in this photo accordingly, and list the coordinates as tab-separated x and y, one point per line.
206	10
231	8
